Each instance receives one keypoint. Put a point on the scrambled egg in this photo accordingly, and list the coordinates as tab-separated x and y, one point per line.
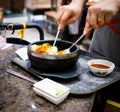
46	48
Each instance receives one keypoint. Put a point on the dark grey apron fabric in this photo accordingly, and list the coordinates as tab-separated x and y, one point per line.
106	42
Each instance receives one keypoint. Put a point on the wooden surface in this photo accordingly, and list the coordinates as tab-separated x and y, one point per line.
112	106
39	7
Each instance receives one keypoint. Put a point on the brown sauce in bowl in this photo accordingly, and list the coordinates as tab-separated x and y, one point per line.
101	66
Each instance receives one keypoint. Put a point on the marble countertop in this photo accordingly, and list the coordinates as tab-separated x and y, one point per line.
17	95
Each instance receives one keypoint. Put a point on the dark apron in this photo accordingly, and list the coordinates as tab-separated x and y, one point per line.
106	40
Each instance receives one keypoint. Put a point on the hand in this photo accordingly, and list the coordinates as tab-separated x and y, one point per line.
68	14
100	13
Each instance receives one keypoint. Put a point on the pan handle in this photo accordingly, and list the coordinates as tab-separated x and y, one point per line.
17	41
16	26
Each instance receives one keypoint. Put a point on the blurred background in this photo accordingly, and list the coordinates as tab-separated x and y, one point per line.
43	13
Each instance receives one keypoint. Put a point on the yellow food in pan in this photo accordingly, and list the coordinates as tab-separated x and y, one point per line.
46	48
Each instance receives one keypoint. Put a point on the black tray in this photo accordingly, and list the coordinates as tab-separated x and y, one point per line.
67	74
83	84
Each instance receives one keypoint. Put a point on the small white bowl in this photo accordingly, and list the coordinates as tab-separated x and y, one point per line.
105	67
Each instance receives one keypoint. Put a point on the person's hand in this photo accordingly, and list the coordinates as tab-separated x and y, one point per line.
101	13
68	14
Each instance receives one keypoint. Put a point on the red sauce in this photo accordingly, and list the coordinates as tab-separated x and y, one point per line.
100	66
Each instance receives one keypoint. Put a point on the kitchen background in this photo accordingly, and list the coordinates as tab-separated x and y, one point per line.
41	12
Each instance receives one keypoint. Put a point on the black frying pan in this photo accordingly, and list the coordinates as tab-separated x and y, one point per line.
55	63
47	62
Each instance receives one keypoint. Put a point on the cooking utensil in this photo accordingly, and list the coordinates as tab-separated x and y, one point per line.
47	62
54	63
21	76
56	37
67	51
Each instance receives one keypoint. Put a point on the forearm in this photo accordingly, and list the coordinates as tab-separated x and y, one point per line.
79	2
70	13
118	2
77	6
